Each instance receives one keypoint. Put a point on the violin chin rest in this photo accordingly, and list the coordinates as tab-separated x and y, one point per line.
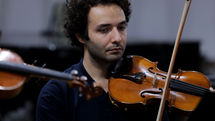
122	66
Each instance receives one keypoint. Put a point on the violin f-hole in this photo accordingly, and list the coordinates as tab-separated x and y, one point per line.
150	91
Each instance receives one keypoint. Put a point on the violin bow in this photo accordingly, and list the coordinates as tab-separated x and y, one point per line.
177	41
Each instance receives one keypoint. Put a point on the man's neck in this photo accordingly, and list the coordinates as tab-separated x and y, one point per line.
97	70
95	67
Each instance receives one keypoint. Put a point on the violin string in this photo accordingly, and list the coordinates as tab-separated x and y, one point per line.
183	86
188	87
193	88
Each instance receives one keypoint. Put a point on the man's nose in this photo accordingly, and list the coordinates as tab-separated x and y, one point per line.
116	36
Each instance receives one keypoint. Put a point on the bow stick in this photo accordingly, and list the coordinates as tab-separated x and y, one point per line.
166	86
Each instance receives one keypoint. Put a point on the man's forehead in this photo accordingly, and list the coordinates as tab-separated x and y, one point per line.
106	14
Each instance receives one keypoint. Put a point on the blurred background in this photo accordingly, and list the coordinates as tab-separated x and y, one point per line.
34	30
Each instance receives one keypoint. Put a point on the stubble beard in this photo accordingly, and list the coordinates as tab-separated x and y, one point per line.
101	58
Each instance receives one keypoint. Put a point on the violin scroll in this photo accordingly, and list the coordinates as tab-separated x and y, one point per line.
81	83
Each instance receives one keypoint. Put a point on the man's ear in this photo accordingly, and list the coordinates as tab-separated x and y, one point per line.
80	38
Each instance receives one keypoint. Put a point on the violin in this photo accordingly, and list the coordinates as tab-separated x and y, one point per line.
14	73
11	84
144	84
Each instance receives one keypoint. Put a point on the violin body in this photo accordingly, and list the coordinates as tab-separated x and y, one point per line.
144	84
10	84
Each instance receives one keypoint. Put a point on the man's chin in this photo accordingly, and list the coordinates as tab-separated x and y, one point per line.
113	58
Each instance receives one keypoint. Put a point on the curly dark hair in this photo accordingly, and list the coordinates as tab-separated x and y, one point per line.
77	16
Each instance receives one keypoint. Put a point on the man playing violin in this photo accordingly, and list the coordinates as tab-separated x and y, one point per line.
99	27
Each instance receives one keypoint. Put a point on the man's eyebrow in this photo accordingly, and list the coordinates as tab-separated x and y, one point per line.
105	25
123	22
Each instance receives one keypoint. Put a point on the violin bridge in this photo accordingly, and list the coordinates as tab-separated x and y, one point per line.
154	81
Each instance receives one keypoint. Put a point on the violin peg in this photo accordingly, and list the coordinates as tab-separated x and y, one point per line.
44	65
34	62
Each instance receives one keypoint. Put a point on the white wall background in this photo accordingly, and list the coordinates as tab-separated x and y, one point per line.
159	20
151	20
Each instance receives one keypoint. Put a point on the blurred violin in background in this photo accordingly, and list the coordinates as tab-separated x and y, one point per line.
14	73
10	83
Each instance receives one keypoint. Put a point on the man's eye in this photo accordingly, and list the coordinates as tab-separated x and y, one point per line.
104	30
121	28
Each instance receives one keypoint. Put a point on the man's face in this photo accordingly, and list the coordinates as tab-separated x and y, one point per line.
107	31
